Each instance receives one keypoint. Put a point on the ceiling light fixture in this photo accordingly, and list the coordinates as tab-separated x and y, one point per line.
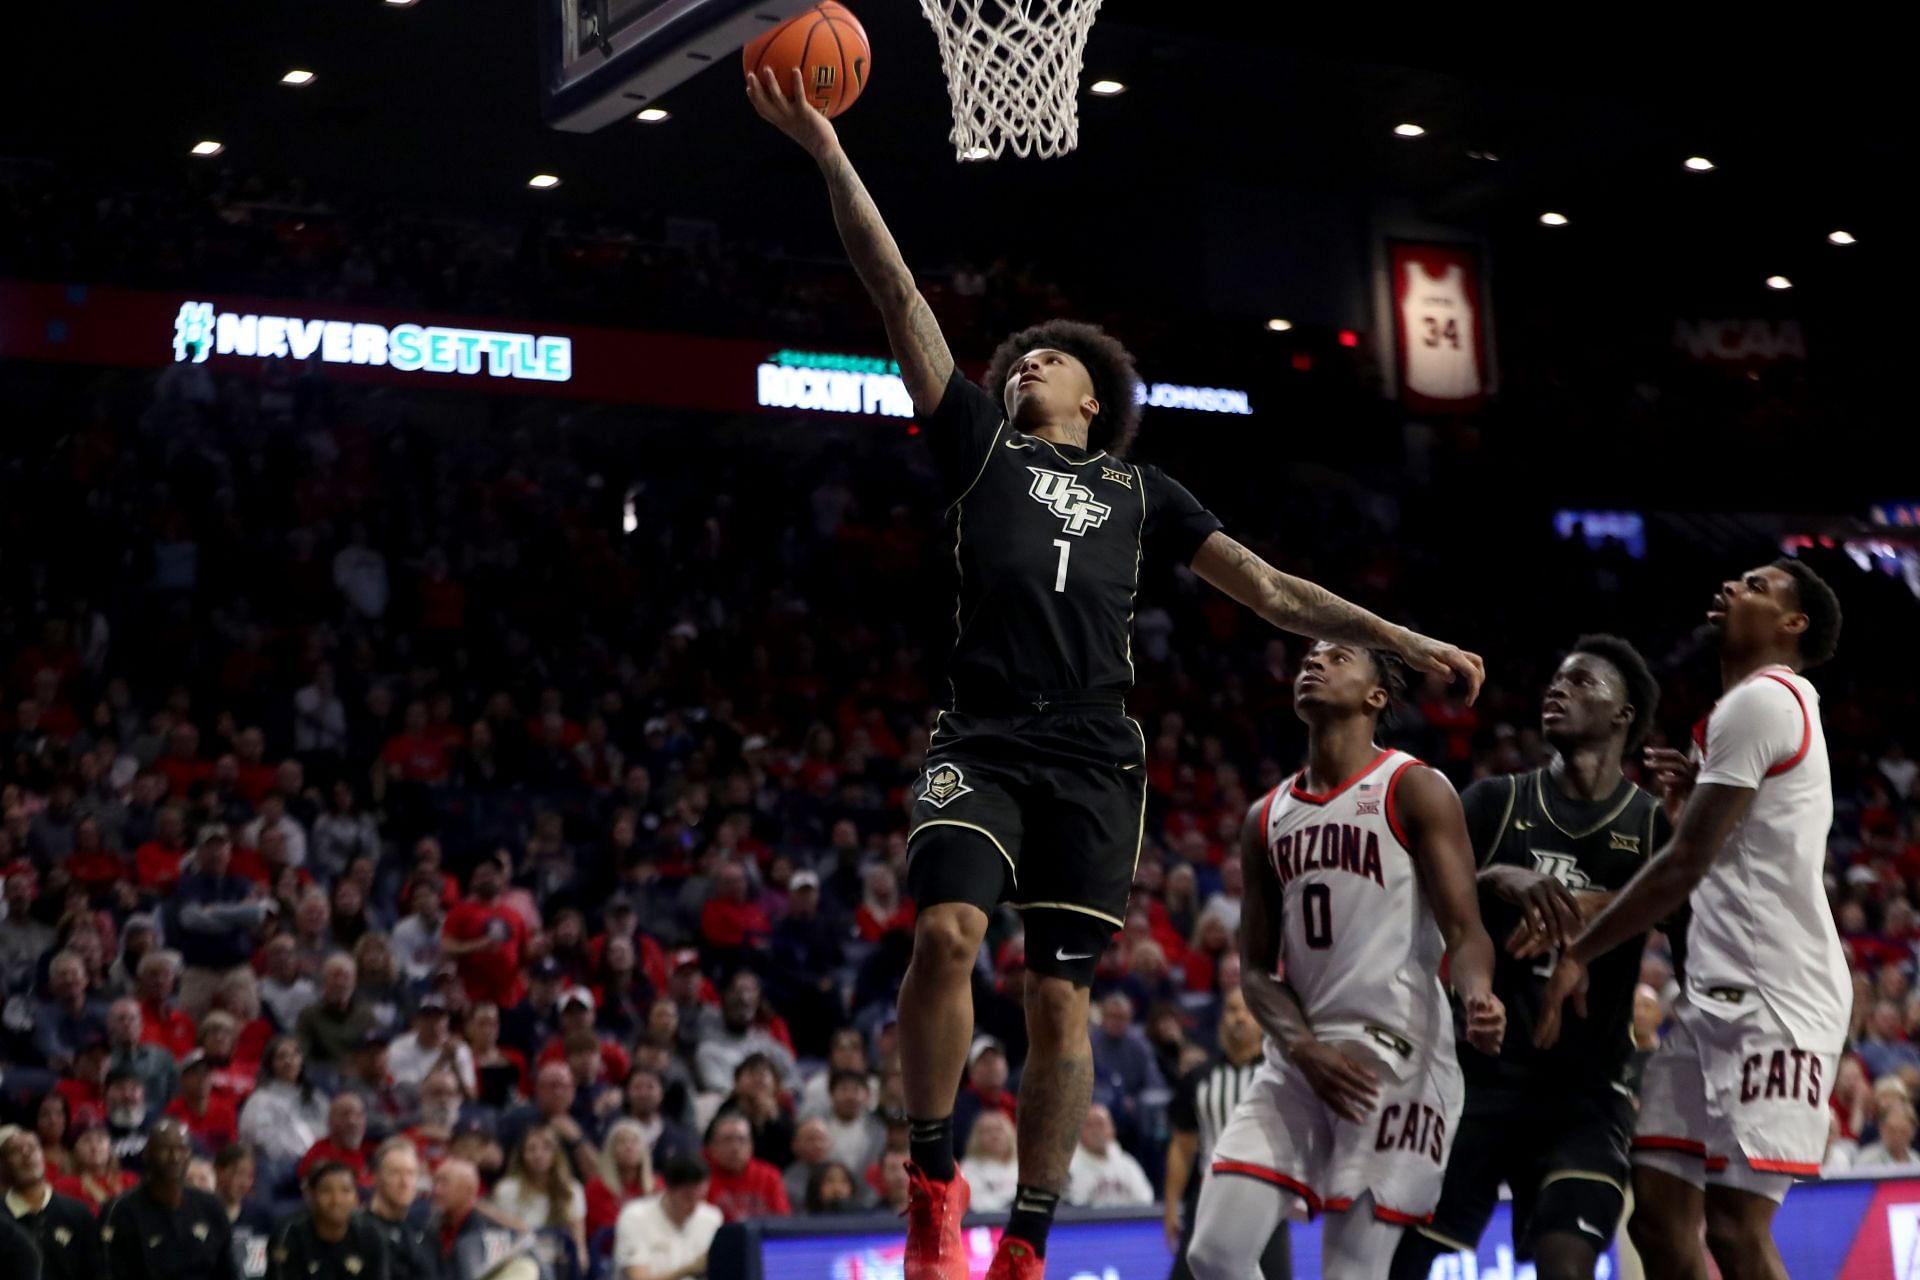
1279	326
297	78
1779	282
543	181
1408	130
1553	219
1840	237
208	148
1699	164
653	115
1106	88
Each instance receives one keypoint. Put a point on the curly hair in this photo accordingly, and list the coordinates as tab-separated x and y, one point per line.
1822	607
1391	670
1109	364
1643	691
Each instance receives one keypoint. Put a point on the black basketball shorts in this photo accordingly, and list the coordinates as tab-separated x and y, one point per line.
1564	1154
1043	811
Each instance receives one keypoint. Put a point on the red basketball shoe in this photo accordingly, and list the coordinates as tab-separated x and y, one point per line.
935	1250
1016	1260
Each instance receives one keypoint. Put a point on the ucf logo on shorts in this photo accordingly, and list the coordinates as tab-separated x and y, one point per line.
944	785
1062	493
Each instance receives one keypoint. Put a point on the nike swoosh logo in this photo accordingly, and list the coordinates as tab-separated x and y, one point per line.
1016	444
1062	954
1589	1228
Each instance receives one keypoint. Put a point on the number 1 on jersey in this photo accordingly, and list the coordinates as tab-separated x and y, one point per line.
1060	575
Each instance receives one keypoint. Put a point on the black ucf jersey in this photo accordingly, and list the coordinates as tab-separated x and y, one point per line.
1523	820
1048	543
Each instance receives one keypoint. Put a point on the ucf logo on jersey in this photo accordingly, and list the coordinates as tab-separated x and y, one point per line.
944	785
1062	493
1563	867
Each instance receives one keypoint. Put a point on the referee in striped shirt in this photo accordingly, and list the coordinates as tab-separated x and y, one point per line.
1202	1105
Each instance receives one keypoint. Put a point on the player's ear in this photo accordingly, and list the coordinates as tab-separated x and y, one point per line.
1794	623
1377	699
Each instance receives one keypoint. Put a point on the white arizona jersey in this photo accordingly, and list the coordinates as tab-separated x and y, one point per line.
1442	363
1760	917
1359	945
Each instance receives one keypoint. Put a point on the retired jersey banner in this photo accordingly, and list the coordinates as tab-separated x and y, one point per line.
1440	326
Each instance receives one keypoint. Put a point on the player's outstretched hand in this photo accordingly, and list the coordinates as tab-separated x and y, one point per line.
1423	653
1344	1082
1486	1022
790	112
1673	775
1549	915
1569	979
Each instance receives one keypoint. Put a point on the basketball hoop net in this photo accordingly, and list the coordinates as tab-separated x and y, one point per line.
1013	72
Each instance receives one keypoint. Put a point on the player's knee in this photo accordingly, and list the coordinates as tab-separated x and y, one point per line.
1736	1239
1654	1234
1210	1258
946	939
1056	1011
1562	1259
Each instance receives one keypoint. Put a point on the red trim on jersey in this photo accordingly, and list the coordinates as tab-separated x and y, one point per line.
1266	812
1273	1176
1404	1219
1716	1163
1341	1205
1393	818
1806	729
1301	793
1657	1142
1785	1166
1700	734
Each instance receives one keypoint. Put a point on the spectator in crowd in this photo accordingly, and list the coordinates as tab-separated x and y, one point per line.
398	1212
625	1174
233	1185
210	1118
553	1107
742	1186
540	1190
576	1013
285	1115
51	1121
154	1065
666	1137
127	1117
1885	1049
62	1229
163	1022
486	939
69	1014
1124	1068
737	1036
97	1176
345	1142
892	1171
286	991
989	1164
667	1237
212	918
432	1132
470	1241
855	1132
416	939
756	1096
812	1148
500	1071
331	1027
431	1046
23	939
164	1229
330	1240
1895	1147
1101	1174
847	1051
985	1090
831	1189
233	1074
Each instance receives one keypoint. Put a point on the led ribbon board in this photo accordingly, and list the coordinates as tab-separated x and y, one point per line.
199	332
833	383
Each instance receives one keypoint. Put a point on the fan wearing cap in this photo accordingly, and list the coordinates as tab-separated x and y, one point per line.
430	1046
985	1090
211	1120
803	956
577	1006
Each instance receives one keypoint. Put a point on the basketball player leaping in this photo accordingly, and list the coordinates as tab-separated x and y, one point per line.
1035	791
1359	883
1554	845
1734	1105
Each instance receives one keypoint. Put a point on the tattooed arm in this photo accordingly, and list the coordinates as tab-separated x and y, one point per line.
925	361
1294	604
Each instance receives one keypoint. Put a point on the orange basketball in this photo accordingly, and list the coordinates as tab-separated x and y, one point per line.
828	44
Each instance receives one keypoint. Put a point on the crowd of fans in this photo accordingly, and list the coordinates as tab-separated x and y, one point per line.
377	806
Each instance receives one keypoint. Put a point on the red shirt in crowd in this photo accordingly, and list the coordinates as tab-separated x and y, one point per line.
167	1027
872	928
93	1192
613	1059
724	923
354	1158
603	1207
96	869
183	775
493	973
157	866
255	781
411	758
757	1191
214	1129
